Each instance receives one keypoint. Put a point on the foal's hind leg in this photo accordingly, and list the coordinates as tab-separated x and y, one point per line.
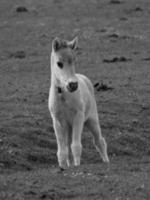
99	141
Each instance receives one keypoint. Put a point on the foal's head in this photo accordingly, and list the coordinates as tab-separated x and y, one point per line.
63	63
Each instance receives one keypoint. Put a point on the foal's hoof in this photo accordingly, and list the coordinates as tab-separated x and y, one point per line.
60	170
105	159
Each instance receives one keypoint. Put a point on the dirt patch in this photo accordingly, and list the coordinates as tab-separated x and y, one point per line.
21	9
117	59
102	87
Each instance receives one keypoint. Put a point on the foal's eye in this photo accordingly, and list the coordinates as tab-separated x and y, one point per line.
60	64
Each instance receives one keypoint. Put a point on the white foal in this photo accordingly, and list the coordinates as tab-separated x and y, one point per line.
72	105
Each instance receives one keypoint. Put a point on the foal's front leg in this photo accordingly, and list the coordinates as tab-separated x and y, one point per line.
76	145
61	132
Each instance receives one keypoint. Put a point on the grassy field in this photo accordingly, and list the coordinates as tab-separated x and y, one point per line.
114	51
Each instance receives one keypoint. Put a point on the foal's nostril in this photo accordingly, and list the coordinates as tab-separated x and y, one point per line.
73	86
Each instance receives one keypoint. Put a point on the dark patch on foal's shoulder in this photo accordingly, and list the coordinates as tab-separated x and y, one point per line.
59	90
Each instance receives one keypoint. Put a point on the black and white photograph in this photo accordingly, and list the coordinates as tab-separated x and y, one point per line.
74	100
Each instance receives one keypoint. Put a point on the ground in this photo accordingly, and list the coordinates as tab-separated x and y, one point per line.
114	52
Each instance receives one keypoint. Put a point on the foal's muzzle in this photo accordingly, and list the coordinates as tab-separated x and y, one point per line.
72	86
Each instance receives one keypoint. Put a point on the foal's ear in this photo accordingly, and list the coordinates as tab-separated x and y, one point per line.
56	44
73	44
